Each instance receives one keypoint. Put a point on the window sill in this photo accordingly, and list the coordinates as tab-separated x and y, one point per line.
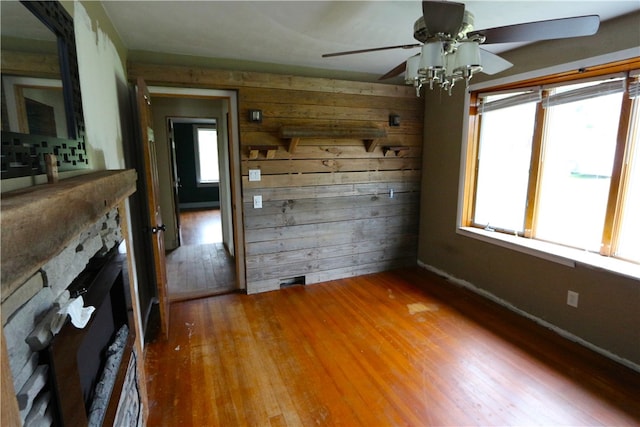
552	252
207	184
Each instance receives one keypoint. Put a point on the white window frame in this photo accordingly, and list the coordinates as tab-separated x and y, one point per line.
196	147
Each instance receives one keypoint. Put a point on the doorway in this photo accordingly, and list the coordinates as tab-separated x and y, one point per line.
200	269
202	264
203	258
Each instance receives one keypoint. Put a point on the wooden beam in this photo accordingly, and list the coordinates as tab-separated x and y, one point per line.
39	221
212	77
332	132
30	64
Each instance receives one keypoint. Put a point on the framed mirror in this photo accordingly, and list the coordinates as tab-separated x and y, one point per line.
41	99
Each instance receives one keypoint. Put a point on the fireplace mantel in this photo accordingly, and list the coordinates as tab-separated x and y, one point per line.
37	222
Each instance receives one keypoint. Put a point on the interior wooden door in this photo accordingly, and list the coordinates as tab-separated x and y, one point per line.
175	180
155	225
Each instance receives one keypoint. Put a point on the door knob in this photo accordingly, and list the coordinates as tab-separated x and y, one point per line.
158	228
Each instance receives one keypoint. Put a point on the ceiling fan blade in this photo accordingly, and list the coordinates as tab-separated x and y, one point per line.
492	63
442	16
577	26
375	49
395	72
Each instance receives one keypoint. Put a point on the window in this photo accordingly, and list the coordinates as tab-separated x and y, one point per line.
577	162
629	233
206	141
558	163
505	150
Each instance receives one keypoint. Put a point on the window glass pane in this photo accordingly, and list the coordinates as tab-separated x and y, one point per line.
576	172
629	237
503	172
208	155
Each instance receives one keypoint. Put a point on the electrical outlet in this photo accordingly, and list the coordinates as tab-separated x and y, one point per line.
257	202
254	174
572	299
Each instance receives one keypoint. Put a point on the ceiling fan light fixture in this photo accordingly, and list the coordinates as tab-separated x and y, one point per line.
443	63
450	49
467	60
411	72
432	56
468	55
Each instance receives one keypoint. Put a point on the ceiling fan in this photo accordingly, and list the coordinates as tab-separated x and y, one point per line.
450	49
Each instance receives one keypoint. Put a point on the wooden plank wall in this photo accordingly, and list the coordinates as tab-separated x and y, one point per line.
327	211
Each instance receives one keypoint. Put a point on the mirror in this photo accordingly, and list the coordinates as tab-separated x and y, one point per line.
31	103
41	101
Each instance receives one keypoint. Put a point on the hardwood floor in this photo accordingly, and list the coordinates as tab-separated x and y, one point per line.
200	227
395	348
201	266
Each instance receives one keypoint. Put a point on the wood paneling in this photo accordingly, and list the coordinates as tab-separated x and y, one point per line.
327	211
273	167
401	348
326	208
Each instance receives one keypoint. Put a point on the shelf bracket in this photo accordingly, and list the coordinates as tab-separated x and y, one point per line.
269	151
396	150
293	144
370	145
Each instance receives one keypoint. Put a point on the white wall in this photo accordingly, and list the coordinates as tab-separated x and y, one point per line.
104	88
100	70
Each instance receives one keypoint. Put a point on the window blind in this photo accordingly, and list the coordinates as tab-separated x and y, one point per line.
634	86
487	105
605	88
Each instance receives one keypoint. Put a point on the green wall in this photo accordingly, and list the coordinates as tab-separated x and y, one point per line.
186	166
609	312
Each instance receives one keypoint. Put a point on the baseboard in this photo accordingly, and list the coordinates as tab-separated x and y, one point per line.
563	333
198	205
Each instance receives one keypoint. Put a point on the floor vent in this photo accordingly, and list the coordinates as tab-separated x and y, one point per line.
292	281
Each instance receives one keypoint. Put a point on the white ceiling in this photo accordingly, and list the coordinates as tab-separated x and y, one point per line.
299	32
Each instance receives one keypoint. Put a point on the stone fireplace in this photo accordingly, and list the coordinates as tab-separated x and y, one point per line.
63	243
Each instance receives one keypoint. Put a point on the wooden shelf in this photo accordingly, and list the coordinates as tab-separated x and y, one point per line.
39	221
370	135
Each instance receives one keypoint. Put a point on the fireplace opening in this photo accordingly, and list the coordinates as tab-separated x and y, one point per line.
81	360
91	352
